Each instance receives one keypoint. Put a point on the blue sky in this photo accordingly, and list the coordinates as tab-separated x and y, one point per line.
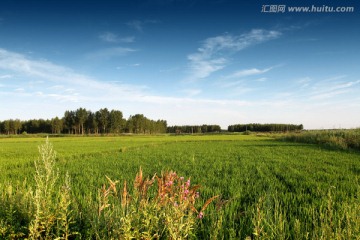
188	62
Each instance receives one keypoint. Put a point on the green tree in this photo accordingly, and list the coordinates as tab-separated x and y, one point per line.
91	123
16	125
160	126
116	121
81	116
102	117
1	127
69	121
7	126
138	123
129	125
56	125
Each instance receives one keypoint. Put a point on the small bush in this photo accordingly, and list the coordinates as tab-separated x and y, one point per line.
247	132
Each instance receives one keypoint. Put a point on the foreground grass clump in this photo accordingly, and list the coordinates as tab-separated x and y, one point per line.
50	211
41	213
52	214
341	139
171	214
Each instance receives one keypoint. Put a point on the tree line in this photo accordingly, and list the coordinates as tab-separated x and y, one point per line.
82	121
104	121
194	129
268	127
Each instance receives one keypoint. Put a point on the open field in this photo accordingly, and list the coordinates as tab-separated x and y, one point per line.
269	189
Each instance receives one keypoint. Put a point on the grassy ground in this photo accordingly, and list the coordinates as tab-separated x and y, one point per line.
268	189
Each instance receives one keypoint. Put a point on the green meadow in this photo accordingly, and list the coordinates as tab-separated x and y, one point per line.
262	188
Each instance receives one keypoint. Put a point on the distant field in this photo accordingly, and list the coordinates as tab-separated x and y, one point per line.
278	190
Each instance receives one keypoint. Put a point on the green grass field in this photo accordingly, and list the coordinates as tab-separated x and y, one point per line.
269	189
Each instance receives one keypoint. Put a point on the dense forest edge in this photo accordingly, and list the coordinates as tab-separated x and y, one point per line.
104	121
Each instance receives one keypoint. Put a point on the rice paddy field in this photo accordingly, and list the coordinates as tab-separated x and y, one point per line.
267	189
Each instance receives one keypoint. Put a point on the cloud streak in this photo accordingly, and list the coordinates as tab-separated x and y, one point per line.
249	72
213	55
113	38
74	86
238	81
108	53
322	91
138	25
6	76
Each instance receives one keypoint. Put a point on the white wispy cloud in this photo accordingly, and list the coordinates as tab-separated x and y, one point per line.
164	70
134	65
138	25
333	78
212	55
129	65
263	79
114	38
108	53
19	63
62	97
192	92
241	90
41	76
326	90
6	76
249	72
202	68
238	81
230	84
56	87
304	82
329	94
19	90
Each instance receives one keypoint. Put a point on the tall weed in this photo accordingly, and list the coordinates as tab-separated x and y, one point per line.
341	139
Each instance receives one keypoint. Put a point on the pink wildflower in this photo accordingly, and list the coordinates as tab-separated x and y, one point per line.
169	183
201	215
188	183
181	178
